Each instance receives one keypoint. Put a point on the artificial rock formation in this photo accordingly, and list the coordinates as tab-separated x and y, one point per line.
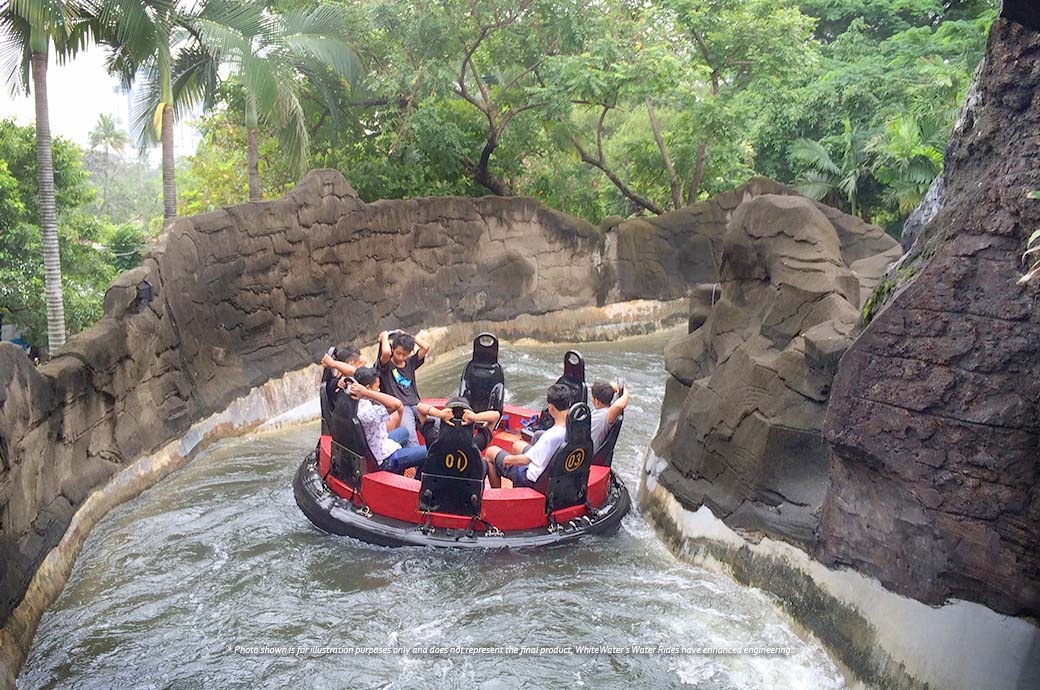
246	294
934	417
661	257
741	427
927	474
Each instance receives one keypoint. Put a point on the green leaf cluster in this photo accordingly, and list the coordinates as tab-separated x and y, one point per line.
87	265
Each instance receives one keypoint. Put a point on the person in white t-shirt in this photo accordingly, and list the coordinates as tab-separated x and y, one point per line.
524	469
606	410
380	417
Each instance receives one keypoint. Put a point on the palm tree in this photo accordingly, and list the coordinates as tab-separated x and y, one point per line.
108	135
270	52
154	44
907	158
28	30
826	175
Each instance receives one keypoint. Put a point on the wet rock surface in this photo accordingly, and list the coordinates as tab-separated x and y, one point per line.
751	381
935	475
924	213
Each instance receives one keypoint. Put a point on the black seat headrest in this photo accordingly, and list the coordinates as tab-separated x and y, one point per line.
453	474
483	381
351	456
458	409
604	455
579	424
485	349
345	428
565	480
574	376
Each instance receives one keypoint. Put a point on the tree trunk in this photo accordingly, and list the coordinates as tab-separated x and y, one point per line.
253	166
482	170
629	193
491	183
698	175
108	179
48	214
168	183
673	179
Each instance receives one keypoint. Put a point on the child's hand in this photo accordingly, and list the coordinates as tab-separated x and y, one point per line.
356	390
342	383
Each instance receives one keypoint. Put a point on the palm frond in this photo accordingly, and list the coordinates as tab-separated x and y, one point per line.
222	41
51	16
815	185
245	18
292	130
15	55
145	102
264	82
329	51
323	20
328	26
194	78
849	185
132	27
813	154
330	91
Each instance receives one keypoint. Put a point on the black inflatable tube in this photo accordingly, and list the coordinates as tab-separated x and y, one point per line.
335	515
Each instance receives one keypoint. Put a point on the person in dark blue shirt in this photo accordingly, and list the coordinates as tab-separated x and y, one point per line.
400	354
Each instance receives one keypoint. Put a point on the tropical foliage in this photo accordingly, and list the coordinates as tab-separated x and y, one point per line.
29	31
604	108
87	272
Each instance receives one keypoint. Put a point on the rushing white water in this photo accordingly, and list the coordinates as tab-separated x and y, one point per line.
214	579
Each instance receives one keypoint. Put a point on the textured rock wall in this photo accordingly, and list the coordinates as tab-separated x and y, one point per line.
245	294
742	422
661	257
935	414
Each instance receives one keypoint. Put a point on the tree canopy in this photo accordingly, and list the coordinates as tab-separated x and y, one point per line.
619	106
597	107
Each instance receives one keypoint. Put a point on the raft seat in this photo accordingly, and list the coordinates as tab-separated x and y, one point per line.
395	496
338	487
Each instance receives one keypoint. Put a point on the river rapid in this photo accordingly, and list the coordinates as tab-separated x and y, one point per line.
214	579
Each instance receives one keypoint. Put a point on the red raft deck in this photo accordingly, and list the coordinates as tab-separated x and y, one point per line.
387	510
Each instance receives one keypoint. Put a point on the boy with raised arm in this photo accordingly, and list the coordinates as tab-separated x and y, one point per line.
606	410
348	360
398	360
431	418
380	417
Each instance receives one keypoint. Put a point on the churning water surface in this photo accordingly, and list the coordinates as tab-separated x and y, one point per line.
214	579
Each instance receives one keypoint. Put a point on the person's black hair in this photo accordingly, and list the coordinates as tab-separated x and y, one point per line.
457	399
405	341
366	375
603	392
559	396
347	352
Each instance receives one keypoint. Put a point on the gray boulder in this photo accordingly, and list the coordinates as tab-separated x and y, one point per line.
757	371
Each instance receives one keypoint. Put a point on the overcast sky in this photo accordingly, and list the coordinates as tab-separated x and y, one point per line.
78	92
